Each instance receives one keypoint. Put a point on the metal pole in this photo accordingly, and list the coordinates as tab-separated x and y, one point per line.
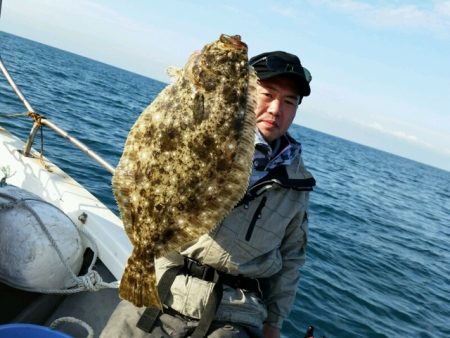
29	144
80	145
52	126
14	87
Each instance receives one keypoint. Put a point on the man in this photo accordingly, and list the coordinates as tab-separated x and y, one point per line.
241	279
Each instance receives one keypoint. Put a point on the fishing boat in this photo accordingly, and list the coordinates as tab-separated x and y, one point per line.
62	251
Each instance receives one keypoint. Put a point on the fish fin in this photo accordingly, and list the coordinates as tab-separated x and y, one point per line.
174	73
138	283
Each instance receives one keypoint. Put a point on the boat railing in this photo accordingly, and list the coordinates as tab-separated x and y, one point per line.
40	121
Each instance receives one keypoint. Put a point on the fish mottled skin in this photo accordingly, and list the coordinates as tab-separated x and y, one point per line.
186	161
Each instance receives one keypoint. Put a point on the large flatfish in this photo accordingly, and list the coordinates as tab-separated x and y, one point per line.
186	161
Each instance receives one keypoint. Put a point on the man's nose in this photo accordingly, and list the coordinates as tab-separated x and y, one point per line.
275	107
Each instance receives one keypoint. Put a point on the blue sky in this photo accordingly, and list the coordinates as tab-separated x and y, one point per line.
381	69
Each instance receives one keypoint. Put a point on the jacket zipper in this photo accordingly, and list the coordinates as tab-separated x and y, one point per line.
255	218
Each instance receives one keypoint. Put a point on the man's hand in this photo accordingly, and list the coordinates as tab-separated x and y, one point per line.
270	331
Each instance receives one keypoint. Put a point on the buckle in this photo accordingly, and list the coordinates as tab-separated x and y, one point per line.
195	269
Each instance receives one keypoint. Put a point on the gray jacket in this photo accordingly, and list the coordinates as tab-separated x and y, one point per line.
264	237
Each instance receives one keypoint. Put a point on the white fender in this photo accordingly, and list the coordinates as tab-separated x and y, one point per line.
28	259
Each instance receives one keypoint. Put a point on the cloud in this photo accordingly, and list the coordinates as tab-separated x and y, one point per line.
437	146
434	18
397	134
79	16
444	8
287	12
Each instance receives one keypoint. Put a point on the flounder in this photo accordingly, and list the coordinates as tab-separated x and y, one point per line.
186	161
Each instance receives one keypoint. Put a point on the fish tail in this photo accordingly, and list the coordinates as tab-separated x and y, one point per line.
138	284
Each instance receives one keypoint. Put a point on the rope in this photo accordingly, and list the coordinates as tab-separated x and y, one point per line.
14	114
41	157
73	320
91	281
36	117
6	170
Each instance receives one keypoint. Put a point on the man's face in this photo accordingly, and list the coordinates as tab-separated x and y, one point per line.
277	102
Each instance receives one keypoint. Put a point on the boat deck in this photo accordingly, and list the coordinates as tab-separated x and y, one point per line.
94	308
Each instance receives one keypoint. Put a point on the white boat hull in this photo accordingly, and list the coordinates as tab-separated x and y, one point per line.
49	182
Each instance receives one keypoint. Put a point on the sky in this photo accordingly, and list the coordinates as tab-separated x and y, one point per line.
381	69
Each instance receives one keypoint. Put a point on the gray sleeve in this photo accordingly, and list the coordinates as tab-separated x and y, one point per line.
280	289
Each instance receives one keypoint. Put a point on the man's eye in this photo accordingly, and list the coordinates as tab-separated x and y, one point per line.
290	102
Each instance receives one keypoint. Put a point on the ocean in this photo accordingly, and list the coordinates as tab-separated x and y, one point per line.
378	259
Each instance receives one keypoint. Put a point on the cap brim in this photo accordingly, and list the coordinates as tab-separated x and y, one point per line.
302	85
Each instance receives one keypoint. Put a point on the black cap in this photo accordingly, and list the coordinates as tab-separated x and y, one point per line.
277	63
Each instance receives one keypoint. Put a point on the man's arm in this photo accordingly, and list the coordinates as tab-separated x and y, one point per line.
279	295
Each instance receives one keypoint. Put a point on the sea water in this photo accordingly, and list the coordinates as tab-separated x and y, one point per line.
378	259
